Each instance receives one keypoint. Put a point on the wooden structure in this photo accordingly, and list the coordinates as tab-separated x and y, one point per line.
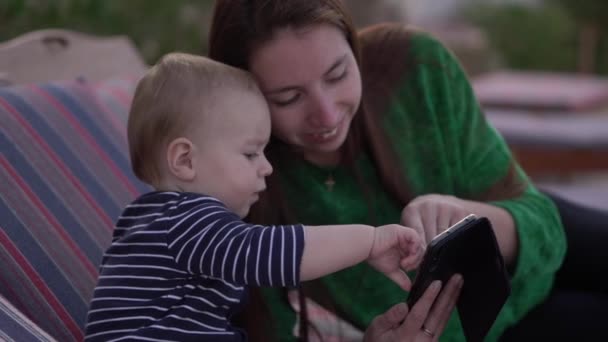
54	54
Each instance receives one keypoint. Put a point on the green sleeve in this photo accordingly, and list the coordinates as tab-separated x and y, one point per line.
482	160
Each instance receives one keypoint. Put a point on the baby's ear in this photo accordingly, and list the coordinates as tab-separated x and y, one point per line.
179	159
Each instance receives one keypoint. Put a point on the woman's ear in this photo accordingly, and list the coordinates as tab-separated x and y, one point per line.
179	159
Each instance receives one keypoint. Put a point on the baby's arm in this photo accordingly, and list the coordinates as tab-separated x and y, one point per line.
331	248
210	241
387	248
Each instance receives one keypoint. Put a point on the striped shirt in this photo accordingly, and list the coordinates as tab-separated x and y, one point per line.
178	266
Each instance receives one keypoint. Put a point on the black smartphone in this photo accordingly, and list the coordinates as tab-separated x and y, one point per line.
470	248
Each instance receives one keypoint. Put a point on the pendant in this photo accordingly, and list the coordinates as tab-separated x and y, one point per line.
330	182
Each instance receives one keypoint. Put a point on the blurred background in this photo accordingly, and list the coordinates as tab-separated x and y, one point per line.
556	35
539	67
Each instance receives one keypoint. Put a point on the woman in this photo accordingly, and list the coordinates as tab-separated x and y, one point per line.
375	128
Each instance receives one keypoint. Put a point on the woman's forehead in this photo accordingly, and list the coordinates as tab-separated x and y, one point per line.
308	51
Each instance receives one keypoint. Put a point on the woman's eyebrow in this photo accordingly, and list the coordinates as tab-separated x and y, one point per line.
339	61
281	90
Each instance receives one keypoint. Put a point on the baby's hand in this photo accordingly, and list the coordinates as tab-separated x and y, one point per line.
396	248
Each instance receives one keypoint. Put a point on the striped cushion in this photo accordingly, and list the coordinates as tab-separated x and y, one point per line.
14	326
64	178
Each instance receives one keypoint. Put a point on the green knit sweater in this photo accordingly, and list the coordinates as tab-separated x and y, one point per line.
446	146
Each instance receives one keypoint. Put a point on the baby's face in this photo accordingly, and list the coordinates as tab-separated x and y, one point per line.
230	163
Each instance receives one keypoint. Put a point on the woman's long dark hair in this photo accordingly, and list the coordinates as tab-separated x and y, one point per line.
238	27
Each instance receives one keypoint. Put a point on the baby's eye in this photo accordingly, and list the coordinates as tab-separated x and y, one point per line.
251	156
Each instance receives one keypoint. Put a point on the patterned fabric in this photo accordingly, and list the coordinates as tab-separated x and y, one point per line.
14	326
64	178
323	325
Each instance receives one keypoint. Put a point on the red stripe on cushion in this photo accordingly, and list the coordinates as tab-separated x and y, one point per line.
51	219
98	95
41	286
42	143
70	118
121	95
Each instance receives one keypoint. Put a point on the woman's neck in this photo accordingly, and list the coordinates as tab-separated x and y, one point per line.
324	159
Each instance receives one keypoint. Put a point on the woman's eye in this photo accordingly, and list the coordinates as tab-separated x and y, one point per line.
338	78
286	101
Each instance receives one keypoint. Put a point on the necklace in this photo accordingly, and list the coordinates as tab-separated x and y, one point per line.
330	182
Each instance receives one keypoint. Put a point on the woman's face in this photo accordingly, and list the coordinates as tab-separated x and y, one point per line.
313	86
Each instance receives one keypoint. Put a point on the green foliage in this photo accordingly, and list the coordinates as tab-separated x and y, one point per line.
594	13
543	38
590	11
156	26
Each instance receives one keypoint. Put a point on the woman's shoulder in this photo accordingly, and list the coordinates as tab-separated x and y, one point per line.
397	57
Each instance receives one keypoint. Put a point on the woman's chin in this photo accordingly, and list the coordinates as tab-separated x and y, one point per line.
327	154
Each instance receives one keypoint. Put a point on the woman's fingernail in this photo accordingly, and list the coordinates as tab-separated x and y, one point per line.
460	280
436	285
402	309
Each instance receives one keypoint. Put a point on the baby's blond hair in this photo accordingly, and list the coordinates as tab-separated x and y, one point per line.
175	93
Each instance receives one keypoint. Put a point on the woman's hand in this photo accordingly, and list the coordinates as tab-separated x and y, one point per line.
424	322
432	214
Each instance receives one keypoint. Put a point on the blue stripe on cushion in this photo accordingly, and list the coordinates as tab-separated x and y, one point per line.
58	146
14	326
52	202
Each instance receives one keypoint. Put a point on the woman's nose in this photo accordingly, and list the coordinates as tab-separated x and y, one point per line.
323	112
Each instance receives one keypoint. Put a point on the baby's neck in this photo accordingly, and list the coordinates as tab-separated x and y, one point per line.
168	185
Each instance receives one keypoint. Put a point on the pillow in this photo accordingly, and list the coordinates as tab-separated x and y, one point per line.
65	176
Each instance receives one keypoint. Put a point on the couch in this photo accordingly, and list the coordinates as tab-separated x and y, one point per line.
64	174
64	179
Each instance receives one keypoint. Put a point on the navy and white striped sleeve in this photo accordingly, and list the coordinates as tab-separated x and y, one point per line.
209	240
